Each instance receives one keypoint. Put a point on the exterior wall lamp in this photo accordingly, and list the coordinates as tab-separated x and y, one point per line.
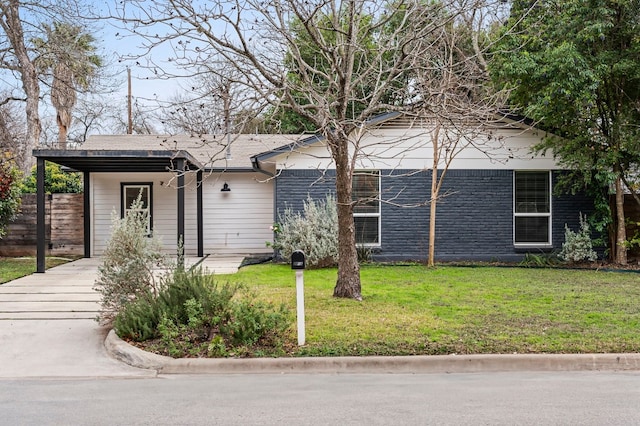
225	188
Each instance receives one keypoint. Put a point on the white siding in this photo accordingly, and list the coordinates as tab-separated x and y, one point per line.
395	148
235	222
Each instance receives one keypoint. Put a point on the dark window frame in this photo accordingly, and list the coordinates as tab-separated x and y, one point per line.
123	208
368	207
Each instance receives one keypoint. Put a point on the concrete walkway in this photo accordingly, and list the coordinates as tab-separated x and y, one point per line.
48	327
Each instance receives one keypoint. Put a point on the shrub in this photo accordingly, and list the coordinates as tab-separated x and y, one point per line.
130	265
9	191
542	260
194	316
56	180
252	321
577	246
314	230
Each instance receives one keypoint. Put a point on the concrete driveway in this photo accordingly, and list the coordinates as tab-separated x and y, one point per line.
48	327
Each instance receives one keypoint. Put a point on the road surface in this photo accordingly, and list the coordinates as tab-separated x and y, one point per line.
584	398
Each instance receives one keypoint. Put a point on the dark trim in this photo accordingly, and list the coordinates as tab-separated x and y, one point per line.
286	148
150	185
40	217
87	214
119	160
199	216
256	167
229	170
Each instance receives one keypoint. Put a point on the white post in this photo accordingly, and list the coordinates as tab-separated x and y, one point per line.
300	305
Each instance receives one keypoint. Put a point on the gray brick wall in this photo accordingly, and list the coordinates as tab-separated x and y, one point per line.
474	214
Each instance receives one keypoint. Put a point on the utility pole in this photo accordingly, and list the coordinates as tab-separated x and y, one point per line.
129	113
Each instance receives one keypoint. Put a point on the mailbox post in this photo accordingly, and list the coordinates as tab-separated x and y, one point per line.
298	264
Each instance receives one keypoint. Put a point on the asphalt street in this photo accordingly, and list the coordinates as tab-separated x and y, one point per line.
577	398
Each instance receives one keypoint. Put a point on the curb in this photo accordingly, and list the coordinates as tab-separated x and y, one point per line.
418	364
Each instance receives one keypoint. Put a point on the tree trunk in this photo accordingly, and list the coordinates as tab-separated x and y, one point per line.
63	98
30	83
432	222
62	118
348	284
621	234
29	77
435	141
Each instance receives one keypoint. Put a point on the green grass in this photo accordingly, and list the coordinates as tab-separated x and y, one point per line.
464	310
16	267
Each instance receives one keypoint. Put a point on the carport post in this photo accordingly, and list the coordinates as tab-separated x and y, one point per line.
40	217
87	215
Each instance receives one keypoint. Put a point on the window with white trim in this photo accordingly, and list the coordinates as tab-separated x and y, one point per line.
130	192
532	208
366	211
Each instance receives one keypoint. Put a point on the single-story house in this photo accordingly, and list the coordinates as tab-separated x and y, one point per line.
221	194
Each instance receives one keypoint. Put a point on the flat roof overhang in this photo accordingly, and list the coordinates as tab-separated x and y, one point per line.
97	161
119	160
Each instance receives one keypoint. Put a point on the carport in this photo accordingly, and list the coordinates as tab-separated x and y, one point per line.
117	161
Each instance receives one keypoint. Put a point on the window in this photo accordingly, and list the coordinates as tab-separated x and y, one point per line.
366	211
532	208
130	192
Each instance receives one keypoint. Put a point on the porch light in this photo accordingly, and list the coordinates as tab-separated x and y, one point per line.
225	188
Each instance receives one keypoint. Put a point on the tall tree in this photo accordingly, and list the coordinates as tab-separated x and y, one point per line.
16	58
363	51
579	76
21	22
69	53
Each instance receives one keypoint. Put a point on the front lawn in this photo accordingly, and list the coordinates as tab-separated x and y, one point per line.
12	268
463	310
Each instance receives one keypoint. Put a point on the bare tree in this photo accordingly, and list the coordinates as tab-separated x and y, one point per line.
12	129
334	63
21	22
455	96
16	58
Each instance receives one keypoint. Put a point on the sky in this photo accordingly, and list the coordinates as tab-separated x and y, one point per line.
144	83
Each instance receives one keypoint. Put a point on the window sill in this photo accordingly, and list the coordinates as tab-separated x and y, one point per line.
528	247
369	246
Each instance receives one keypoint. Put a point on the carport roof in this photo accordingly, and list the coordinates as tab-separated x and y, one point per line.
153	153
118	160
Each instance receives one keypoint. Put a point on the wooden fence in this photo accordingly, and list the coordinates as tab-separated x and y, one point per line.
64	218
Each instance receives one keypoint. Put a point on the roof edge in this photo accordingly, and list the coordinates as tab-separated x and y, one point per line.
59	154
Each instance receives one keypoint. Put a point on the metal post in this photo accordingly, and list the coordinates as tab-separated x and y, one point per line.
87	215
40	217
200	222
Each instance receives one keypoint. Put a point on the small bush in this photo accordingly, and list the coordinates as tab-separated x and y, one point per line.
194	316
314	230
577	246
543	260
9	191
252	321
129	269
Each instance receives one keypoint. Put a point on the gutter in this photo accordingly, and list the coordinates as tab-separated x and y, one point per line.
255	163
